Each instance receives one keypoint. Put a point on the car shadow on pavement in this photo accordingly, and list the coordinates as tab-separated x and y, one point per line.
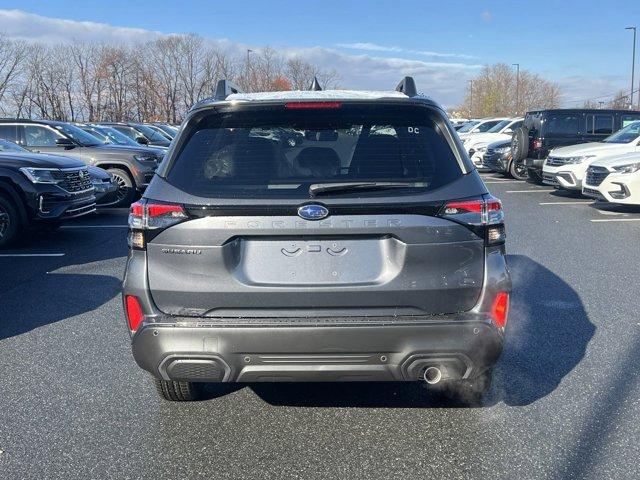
615	207
547	336
62	296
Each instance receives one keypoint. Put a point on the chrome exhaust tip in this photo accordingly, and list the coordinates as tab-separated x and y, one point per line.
432	375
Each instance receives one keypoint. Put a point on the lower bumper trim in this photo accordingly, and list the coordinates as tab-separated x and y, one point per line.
328	353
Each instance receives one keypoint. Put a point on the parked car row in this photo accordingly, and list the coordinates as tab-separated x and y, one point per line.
594	152
51	171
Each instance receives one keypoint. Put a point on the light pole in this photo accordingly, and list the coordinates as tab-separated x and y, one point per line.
517	65
633	66
470	98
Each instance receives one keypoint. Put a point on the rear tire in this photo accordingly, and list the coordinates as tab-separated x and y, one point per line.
520	144
126	188
177	391
518	170
10	227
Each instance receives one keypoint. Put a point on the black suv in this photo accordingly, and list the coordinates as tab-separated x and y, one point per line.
131	167
546	129
367	250
40	190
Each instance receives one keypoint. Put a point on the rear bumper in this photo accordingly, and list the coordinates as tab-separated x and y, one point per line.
534	163
462	347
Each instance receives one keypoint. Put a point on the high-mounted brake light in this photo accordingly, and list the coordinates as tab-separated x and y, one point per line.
133	309
311	105
500	309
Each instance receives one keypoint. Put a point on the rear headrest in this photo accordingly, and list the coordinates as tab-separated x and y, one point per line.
317	162
254	157
377	156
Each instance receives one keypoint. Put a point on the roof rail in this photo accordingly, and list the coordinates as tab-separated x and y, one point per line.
407	86
315	85
224	88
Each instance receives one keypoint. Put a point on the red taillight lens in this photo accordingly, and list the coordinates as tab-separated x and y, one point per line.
536	144
133	311
137	209
483	215
468	206
311	105
158	209
500	309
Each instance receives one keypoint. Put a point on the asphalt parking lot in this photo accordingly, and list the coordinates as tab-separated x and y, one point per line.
565	401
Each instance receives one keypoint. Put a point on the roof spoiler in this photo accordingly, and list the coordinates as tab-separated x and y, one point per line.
407	86
224	88
315	85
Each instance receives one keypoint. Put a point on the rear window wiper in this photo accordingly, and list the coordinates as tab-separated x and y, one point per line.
319	188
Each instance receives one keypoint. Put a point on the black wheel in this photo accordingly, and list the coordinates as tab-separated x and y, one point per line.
520	143
10	227
518	170
177	391
126	189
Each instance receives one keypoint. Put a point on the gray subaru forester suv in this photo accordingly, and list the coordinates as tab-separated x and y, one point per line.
317	236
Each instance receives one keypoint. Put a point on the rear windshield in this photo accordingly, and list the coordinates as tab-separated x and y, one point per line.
278	151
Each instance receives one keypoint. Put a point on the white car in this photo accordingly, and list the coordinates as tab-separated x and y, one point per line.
458	121
476	145
566	167
478	126
615	179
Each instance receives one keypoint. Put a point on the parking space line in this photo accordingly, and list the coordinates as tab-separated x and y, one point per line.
94	226
529	191
616	220
566	203
32	254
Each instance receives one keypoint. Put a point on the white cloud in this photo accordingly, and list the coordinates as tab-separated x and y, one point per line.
29	26
441	80
579	88
374	47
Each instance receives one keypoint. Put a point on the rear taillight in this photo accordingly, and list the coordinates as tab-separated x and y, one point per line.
500	309
536	143
146	215
133	309
482	215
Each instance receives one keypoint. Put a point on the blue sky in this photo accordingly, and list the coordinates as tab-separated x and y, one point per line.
580	44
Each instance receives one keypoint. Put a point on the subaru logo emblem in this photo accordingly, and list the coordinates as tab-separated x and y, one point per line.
313	212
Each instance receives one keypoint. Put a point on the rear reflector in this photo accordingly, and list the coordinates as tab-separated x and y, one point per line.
311	105
500	309
536	144
133	311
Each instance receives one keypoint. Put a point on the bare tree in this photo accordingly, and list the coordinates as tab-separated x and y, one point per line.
620	100
157	80
497	91
12	63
